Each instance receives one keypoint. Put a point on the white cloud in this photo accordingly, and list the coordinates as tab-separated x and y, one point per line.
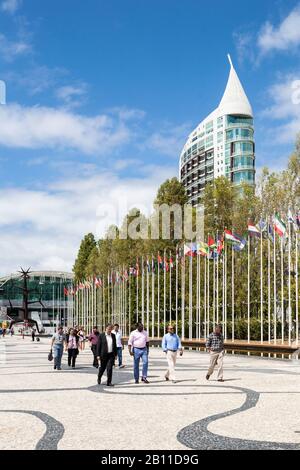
44	127
283	37
284	109
169	140
72	95
10	50
11	6
43	229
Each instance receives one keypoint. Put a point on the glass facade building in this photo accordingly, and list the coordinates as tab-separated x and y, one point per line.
222	144
47	298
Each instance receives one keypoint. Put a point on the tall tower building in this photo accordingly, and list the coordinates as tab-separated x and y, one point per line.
222	144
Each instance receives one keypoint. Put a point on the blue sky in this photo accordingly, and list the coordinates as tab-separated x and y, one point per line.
102	94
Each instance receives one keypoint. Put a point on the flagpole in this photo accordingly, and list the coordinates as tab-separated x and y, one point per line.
170	279
143	293
137	290
248	335
176	290
225	294
282	292
269	285
199	302
158	297
152	294
191	294
232	296
217	287
147	300
261	289
183	297
197	298
275	290
165	298
289	283
297	292
205	297
214	289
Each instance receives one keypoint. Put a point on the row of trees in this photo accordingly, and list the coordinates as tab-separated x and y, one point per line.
225	206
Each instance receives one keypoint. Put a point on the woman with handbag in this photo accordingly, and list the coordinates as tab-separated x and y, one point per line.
72	347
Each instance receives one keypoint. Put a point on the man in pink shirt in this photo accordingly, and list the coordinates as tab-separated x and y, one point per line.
138	345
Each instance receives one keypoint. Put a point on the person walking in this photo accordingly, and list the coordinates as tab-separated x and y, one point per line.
33	334
82	339
93	339
171	344
138	346
106	354
118	335
72	347
215	347
57	345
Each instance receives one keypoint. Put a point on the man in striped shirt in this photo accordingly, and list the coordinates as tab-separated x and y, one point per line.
215	347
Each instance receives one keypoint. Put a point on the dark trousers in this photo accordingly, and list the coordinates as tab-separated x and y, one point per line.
94	351
72	354
107	363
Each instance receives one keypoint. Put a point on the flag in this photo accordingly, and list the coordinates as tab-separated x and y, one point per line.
253	230
202	248
241	245
166	265
66	291
279	226
171	263
211	242
230	237
148	265
220	244
98	282
262	224
159	260
190	250
270	233
292	220
298	221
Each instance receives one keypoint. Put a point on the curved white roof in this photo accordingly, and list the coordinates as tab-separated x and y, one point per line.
235	100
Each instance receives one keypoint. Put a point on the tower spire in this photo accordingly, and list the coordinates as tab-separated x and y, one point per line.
230	61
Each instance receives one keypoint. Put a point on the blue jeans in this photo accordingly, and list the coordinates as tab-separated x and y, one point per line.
138	354
58	350
120	356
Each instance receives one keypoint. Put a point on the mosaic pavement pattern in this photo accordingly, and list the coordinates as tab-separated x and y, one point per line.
257	407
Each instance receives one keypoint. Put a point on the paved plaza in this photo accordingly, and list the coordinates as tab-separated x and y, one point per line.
257	407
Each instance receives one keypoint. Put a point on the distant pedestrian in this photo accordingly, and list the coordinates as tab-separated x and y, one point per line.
93	339
138	346
72	347
1	331
57	345
106	354
215	347
171	344
4	332
12	331
33	334
82	338
118	334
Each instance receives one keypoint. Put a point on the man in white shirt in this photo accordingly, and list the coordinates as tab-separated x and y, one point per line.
118	335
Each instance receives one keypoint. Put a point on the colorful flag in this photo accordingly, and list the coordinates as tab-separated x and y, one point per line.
211	242
202	248
241	245
279	226
230	237
270	233
66	291
171	263
190	250
253	230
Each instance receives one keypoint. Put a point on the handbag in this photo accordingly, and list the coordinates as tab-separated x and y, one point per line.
50	356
